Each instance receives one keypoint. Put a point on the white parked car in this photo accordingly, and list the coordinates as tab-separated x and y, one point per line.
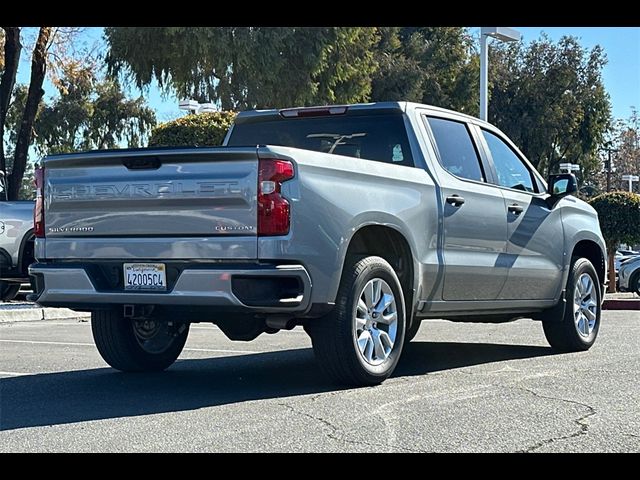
629	275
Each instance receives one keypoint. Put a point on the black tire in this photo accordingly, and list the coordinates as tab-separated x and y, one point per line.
122	348
634	282
8	291
412	331
333	337
562	333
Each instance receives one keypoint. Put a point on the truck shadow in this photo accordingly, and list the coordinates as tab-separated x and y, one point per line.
102	393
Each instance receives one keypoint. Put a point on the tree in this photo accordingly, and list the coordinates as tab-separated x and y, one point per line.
549	98
619	215
34	95
89	113
12	49
625	156
204	129
86	113
432	65
9	64
248	67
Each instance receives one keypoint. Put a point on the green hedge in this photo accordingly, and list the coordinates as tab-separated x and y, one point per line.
619	215
201	130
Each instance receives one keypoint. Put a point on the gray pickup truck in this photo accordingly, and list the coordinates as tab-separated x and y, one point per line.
356	222
16	243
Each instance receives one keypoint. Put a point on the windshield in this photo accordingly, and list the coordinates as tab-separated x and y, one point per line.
382	138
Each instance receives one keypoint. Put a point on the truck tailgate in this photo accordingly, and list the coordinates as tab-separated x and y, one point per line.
144	194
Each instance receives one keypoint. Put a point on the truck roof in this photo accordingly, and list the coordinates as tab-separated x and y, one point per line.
250	116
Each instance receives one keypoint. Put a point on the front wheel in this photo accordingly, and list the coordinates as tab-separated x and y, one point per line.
578	328
360	342
137	345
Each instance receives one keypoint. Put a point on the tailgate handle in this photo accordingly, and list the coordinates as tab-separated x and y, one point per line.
142	163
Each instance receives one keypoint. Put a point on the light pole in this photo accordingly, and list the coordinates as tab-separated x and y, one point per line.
630	179
608	165
504	34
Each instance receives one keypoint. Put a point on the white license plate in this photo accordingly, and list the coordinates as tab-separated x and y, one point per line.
145	276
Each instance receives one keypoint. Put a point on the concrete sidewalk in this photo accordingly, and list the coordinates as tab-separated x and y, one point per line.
17	311
29	312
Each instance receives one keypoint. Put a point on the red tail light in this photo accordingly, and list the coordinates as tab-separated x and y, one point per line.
38	211
273	208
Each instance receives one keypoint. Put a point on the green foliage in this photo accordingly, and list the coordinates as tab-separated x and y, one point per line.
12	122
432	65
87	113
90	114
204	129
248	67
625	155
549	98
619	215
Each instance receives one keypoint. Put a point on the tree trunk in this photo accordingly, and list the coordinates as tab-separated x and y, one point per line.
612	271
38	70
12	49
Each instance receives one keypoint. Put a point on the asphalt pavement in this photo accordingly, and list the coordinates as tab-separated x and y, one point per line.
459	387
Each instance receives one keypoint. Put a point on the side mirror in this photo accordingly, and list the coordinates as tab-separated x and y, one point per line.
3	187
562	185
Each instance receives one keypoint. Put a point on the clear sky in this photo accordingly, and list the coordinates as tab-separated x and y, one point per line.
621	44
621	74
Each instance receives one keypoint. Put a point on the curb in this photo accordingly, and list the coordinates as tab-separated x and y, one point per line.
621	304
39	314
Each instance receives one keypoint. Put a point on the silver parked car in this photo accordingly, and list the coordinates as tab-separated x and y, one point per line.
623	255
16	243
629	275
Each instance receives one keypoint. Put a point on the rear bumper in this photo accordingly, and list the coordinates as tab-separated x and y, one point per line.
246	288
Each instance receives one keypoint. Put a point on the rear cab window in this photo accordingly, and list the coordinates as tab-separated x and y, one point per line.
380	137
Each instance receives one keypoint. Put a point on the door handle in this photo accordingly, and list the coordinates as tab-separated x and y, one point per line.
515	209
455	200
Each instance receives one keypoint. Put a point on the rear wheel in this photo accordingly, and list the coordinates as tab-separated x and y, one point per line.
578	328
137	345
360	342
634	282
8	291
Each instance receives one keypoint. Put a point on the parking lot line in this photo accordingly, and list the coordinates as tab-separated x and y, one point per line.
75	344
47	342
